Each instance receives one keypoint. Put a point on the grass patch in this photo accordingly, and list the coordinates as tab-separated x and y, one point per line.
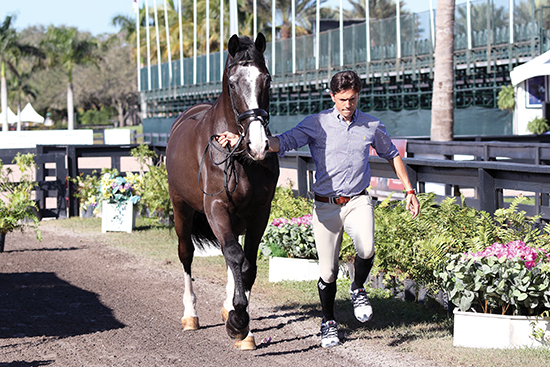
407	327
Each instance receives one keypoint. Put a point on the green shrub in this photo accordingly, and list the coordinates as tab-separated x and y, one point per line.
97	117
506	98
538	125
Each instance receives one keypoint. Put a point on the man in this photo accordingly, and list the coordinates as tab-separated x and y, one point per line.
339	140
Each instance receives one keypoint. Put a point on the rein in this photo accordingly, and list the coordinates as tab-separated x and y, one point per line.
229	169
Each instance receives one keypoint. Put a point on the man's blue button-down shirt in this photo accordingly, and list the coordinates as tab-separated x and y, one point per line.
340	150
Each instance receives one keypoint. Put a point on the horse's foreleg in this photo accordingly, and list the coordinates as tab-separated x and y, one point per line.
237	323
249	342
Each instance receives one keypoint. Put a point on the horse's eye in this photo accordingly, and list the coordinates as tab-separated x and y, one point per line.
231	85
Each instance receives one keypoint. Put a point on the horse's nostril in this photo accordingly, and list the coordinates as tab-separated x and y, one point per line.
266	145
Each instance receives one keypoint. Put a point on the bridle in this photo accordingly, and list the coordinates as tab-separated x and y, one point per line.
229	169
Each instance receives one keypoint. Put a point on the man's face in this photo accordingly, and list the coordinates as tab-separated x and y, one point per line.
345	102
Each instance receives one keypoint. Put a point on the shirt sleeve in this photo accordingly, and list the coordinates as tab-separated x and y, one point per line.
298	136
382	143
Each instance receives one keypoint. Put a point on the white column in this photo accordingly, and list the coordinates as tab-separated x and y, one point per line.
432	25
511	26
207	41
341	34
469	23
367	26
233	18
159	60
317	33
138	49
293	36
398	28
273	35
194	41
222	40
255	20
167	28
182	81
148	45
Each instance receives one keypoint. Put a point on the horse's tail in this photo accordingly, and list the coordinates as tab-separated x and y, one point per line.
202	234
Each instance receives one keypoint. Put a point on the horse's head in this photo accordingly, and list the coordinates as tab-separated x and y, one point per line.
248	81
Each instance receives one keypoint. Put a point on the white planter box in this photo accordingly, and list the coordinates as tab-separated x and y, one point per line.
480	330
285	268
119	217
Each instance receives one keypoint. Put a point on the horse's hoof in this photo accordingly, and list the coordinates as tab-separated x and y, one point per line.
225	314
247	343
237	328
190	323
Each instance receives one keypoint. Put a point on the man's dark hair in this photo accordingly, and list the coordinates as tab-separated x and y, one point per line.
345	80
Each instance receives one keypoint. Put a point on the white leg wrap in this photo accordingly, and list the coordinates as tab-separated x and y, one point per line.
189	298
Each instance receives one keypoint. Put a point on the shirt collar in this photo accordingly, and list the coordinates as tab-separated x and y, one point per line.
337	115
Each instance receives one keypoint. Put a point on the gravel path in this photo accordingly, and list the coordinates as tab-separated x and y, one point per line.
72	301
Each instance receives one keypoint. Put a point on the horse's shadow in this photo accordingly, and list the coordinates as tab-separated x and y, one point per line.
41	304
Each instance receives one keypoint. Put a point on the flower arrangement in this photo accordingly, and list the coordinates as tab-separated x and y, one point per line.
289	238
87	189
511	278
117	189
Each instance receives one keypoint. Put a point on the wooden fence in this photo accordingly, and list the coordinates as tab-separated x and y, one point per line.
493	168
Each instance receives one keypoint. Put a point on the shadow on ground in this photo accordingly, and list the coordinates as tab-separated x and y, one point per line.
41	304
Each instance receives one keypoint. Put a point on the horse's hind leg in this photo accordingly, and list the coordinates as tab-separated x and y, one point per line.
183	221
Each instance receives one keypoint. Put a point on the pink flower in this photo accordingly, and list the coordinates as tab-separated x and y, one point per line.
512	250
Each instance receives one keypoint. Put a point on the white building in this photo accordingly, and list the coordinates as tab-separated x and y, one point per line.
531	81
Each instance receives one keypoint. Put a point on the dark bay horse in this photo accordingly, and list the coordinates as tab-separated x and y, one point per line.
220	193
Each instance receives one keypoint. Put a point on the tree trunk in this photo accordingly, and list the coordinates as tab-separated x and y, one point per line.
70	106
443	87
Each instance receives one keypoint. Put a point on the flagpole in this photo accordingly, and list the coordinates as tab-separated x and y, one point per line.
159	61
138	49
166	26
194	41
182	81
148	45
207	41
222	40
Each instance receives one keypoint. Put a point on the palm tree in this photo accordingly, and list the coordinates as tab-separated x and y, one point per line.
11	51
443	97
66	48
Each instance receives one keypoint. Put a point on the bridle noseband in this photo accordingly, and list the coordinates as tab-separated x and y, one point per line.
229	170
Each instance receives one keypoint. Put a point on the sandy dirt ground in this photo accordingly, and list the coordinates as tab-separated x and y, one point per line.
72	301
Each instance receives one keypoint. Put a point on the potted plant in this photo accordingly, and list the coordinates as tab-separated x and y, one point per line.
118	197
499	292
87	191
18	210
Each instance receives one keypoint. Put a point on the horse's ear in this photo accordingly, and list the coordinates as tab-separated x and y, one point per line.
233	45
260	42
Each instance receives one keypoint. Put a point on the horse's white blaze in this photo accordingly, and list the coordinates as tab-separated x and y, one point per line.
258	139
229	291
189	298
252	74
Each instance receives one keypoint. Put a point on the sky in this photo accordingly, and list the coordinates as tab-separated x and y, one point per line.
95	16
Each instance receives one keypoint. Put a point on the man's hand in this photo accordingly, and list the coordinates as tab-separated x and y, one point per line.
412	205
228	138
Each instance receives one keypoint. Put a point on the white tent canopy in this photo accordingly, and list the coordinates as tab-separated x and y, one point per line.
538	66
28	114
12	117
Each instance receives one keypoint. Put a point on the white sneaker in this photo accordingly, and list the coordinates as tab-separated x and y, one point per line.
361	305
329	334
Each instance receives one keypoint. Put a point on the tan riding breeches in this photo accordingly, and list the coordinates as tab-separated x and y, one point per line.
329	223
